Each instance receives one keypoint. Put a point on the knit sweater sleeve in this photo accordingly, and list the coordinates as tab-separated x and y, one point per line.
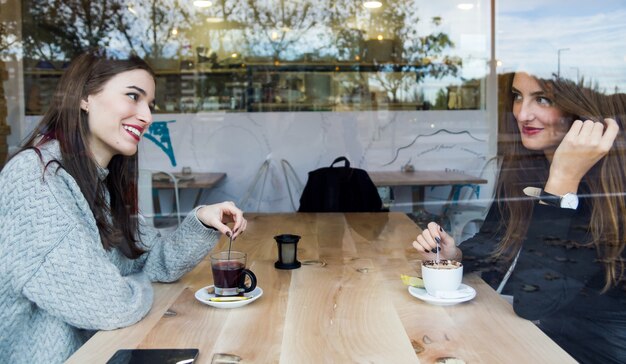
53	253
170	255
79	284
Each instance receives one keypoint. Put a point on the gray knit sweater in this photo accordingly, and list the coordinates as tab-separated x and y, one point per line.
58	285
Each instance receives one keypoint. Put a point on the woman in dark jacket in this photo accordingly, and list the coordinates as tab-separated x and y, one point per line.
559	216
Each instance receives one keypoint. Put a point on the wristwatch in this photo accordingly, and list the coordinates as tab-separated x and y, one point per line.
567	201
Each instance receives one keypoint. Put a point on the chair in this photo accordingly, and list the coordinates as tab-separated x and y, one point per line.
464	210
147	195
293	182
262	172
290	174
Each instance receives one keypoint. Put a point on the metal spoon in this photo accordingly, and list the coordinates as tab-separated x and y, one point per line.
230	243
438	249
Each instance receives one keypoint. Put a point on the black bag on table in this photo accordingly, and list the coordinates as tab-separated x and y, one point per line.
340	189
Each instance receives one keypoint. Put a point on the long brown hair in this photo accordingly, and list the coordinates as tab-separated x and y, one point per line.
66	122
605	182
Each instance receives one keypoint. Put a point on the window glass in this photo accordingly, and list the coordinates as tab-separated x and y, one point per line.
272	55
399	87
579	40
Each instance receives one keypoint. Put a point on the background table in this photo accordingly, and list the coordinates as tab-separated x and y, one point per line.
422	178
418	180
196	180
346	304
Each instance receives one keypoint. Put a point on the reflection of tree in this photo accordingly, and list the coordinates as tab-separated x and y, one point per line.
8	37
417	56
422	55
353	88
280	26
217	27
61	29
152	27
346	35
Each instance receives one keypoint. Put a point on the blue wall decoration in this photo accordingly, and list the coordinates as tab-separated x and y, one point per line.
159	134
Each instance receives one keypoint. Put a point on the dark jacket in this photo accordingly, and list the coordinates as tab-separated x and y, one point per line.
557	282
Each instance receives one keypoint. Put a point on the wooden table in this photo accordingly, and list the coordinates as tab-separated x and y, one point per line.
422	178
346	304
196	180
192	180
418	180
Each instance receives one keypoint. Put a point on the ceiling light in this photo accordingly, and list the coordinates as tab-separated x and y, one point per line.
214	20
465	6
380	37
202	3
498	63
174	31
372	4
131	9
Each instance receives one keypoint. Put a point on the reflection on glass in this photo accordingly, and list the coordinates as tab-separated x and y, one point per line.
266	55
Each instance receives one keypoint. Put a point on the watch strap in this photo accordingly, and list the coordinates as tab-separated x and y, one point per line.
550	199
532	191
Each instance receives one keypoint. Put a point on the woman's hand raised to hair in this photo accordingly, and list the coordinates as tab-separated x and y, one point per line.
581	148
220	214
426	243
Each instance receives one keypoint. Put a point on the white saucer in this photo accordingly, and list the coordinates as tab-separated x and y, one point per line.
204	296
424	296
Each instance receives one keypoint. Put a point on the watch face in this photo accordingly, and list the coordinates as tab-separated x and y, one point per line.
569	201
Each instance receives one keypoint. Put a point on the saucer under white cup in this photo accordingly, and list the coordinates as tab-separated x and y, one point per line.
463	294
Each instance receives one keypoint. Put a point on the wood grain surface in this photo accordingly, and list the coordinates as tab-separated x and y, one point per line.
346	304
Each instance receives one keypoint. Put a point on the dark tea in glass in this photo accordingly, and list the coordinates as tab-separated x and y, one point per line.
229	274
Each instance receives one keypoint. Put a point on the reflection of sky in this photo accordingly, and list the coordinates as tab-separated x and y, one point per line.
530	33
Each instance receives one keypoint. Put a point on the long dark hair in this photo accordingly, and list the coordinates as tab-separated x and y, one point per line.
605	181
66	122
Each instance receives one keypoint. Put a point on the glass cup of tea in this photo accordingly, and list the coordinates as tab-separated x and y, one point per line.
229	274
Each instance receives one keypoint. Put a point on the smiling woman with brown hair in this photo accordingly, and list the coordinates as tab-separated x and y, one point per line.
559	217
74	258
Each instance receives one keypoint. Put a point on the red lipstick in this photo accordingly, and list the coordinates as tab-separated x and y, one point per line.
529	130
